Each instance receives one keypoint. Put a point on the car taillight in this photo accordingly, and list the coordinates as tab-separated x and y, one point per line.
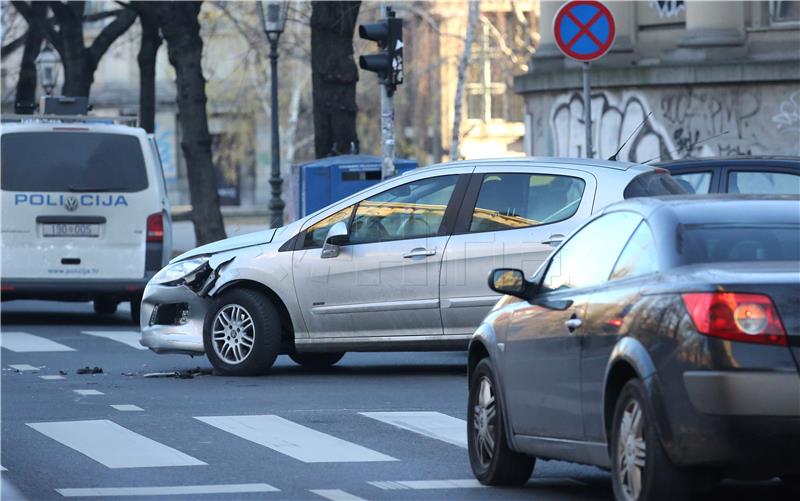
750	318
155	228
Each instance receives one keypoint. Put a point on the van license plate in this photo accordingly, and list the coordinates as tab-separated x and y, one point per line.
71	230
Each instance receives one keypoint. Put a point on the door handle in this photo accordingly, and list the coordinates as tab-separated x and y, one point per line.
573	323
419	252
554	240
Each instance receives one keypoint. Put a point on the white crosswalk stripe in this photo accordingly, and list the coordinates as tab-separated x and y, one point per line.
336	495
418	485
23	342
129	338
113	445
168	490
23	367
294	440
431	424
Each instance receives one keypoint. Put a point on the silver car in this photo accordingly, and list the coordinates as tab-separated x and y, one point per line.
399	266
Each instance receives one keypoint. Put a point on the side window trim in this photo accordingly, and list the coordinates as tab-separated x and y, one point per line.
725	174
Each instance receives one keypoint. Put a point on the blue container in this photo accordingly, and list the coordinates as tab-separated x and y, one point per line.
327	180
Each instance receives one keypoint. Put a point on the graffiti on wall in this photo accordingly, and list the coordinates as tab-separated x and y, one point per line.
729	116
613	121
788	117
668	8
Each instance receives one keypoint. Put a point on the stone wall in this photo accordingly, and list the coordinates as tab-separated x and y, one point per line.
687	120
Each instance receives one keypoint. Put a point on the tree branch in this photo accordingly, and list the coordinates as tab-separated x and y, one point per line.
117	27
37	23
12	46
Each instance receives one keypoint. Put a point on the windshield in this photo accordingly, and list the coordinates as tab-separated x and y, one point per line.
72	161
737	242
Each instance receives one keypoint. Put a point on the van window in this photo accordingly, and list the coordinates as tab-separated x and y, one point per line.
72	161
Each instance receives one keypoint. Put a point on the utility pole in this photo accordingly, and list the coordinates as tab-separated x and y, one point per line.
587	107
388	64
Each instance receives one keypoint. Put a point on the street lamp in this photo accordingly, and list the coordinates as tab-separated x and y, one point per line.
47	65
273	20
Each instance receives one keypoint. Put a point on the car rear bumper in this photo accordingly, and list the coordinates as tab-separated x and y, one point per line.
72	290
164	336
733	421
745	393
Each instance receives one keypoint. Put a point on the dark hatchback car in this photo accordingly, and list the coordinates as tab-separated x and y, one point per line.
661	341
753	175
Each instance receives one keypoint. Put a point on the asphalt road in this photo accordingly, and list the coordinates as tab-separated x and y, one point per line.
376	426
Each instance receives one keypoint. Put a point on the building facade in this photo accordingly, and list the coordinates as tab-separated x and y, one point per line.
710	78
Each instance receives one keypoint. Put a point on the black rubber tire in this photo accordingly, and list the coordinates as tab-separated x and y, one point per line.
267	330
316	361
506	467
661	480
104	306
136	308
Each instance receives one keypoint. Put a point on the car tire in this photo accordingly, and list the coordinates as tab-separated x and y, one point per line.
248	330
492	460
640	468
316	361
136	309
104	306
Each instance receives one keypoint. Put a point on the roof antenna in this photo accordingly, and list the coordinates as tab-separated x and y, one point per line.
614	156
695	144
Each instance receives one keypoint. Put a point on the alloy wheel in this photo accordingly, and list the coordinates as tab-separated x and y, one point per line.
631	451
484	420
233	334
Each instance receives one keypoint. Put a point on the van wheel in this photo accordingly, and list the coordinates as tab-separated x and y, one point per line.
316	360
640	469
492	460
242	333
105	306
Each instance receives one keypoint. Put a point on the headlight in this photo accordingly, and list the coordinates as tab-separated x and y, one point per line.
180	272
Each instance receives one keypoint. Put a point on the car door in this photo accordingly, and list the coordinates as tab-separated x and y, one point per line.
512	216
385	280
636	267
543	344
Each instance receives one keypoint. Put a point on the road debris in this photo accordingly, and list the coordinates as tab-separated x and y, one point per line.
187	374
90	370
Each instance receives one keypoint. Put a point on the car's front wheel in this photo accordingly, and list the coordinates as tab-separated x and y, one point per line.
316	360
640	468
492	461
242	333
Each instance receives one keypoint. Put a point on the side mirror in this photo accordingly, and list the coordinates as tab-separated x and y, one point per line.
511	281
337	235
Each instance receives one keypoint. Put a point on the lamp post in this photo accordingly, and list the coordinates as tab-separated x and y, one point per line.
47	66
273	20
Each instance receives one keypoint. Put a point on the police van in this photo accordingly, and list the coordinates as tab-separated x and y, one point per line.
85	214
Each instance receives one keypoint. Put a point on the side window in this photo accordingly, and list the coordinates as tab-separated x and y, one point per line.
315	234
412	210
588	256
508	201
639	256
763	183
694	182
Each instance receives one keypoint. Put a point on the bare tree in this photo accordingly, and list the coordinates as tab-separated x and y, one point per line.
25	100
148	50
334	76
472	20
181	30
80	61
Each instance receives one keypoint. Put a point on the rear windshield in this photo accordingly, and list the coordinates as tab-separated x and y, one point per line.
653	184
736	242
72	161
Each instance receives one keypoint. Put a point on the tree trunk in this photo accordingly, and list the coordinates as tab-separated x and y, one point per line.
25	102
181	30
334	77
151	40
472	20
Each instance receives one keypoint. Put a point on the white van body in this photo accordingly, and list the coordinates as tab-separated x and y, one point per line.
85	213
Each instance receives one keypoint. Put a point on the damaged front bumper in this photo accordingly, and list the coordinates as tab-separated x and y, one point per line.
172	319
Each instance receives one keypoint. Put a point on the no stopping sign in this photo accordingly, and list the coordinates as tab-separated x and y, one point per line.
584	29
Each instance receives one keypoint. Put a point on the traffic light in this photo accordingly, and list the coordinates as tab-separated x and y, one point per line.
388	62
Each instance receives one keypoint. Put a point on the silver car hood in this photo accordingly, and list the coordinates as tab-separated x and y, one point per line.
237	242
